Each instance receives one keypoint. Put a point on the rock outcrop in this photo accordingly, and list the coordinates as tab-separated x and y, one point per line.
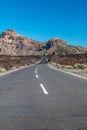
12	43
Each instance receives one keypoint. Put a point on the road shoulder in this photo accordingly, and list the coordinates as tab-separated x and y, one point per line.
67	72
11	71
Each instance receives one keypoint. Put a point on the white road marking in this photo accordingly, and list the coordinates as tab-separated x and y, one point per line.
37	76
67	72
44	90
35	71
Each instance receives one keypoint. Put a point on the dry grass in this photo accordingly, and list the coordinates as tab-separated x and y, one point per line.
59	66
13	62
80	66
85	70
69	67
79	69
2	70
53	63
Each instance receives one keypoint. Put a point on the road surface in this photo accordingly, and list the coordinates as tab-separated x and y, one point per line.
41	98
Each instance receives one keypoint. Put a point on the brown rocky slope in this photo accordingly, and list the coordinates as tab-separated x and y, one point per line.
14	44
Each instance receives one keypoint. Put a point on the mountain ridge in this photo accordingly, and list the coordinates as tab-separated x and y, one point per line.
12	43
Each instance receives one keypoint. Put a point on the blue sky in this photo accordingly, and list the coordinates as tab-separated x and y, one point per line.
44	19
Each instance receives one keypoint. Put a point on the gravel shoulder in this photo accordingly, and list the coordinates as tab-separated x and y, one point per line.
80	72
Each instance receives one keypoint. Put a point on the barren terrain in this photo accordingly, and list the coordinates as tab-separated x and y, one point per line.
75	63
13	62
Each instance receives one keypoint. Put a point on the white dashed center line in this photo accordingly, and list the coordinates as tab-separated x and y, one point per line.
36	69
44	90
37	76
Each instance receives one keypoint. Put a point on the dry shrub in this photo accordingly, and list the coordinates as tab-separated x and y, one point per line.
14	67
2	70
69	67
62	66
79	66
85	70
59	66
53	63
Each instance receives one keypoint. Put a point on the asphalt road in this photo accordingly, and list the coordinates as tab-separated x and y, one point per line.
41	98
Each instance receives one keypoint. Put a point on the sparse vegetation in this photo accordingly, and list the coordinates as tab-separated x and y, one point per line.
61	50
79	66
75	63
13	62
59	66
69	49
85	70
69	67
2	70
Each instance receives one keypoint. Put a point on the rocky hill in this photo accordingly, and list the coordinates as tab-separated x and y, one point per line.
60	47
12	43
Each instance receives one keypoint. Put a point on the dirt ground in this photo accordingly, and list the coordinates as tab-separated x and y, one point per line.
12	62
74	63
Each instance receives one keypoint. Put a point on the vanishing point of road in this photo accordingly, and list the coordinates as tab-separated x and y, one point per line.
42	98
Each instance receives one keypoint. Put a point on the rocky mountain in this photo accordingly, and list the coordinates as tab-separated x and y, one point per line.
58	46
12	43
51	46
